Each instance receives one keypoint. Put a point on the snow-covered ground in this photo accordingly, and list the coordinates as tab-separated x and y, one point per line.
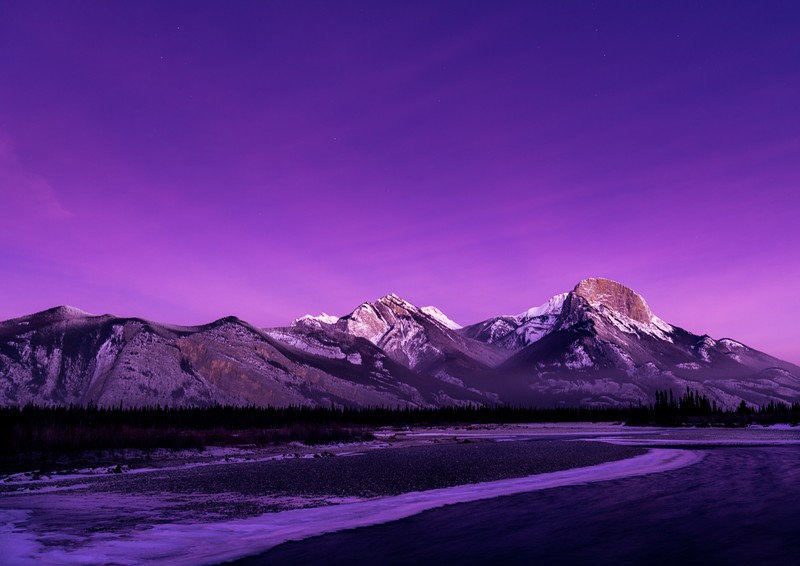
153	525
214	542
775	435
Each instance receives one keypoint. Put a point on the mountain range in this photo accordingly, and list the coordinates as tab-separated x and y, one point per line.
596	345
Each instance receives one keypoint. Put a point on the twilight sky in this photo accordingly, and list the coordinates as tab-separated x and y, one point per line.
183	161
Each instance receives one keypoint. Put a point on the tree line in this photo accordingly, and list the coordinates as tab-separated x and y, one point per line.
33	428
694	408
72	428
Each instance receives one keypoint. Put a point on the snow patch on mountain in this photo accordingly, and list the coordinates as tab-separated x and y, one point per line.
656	328
108	351
365	322
577	358
322	318
311	346
622	358
513	332
552	308
532	332
703	346
499	328
440	317
537	322
67	312
447	378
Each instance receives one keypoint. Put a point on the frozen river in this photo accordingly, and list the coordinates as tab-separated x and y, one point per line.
561	494
739	505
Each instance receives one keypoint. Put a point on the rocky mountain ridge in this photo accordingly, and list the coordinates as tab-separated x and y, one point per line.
598	344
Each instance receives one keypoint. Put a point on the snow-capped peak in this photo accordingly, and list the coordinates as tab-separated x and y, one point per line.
430	312
551	307
441	318
68	312
311	319
393	298
63	313
729	343
536	322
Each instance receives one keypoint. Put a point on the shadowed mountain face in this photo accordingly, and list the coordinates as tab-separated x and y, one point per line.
597	345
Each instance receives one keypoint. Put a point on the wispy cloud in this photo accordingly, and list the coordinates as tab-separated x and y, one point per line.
26	195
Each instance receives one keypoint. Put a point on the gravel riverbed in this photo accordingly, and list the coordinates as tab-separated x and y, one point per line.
69	508
379	472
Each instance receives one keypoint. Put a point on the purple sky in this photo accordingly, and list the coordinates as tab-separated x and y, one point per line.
183	161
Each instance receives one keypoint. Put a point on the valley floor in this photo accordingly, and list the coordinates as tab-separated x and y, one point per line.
206	508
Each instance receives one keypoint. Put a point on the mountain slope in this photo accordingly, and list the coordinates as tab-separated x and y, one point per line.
512	332
423	339
64	356
606	347
599	344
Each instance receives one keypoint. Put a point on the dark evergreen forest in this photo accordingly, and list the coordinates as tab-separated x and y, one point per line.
31	428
